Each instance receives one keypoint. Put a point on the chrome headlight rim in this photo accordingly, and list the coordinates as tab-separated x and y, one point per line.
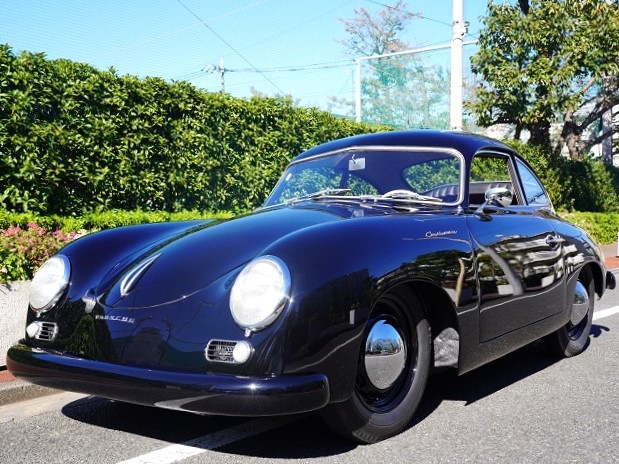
279	302
59	285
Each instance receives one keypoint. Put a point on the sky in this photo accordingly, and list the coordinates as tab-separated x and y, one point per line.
267	46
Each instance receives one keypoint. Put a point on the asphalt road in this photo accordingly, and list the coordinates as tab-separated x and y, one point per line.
527	407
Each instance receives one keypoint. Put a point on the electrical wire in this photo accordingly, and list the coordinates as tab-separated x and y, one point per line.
297	26
421	16
307	67
177	31
229	46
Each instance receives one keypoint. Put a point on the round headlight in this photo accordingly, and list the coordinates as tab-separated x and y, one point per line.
49	283
260	292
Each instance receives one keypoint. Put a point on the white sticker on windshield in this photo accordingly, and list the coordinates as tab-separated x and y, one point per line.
288	177
356	164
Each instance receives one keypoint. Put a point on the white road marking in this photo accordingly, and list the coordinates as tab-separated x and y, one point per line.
218	439
605	313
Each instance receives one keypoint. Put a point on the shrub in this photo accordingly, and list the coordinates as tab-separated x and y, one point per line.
22	251
25	244
603	227
102	220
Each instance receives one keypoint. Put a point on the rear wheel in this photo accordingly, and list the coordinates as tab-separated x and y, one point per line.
392	371
571	339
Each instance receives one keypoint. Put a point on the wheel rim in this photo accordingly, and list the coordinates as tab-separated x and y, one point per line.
388	359
385	355
580	312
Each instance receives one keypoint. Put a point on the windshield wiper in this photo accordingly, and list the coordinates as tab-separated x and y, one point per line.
394	198
409	195
319	195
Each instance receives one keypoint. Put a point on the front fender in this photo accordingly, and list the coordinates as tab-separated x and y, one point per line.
340	270
93	255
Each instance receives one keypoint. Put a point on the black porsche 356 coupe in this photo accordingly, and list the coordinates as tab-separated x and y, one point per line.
375	259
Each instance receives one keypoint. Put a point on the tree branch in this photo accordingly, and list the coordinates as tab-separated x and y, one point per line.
598	110
600	138
524	6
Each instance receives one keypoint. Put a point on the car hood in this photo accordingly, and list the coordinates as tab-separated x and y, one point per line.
180	266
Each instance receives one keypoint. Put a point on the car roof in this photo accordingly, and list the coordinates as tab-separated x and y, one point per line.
466	143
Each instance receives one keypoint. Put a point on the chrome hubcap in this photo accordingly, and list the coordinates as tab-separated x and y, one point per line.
580	306
385	355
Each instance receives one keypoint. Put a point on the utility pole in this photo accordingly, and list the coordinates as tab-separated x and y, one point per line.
212	69
459	28
222	71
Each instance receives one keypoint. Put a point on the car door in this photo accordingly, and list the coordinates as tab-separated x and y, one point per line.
517	252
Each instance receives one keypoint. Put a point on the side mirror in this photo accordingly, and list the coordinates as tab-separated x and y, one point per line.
499	197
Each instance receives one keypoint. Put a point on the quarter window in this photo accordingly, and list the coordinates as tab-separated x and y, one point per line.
533	190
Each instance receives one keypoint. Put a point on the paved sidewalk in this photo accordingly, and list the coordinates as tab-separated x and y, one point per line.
5	376
13	390
611	253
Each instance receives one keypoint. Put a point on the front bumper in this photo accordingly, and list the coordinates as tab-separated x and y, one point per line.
193	392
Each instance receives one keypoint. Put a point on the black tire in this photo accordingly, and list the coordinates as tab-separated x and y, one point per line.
572	339
372	414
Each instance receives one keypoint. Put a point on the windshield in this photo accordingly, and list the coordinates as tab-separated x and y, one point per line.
392	173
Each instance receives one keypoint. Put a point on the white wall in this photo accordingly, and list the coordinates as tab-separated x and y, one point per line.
13	310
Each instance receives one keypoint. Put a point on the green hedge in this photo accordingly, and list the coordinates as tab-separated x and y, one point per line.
603	228
100	221
75	139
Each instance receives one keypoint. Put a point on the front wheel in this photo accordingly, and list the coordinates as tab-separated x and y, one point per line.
392	372
572	338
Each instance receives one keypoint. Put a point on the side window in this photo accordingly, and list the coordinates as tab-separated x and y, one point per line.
432	174
487	168
489	171
439	178
533	190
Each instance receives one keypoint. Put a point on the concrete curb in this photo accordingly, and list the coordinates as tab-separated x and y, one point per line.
16	390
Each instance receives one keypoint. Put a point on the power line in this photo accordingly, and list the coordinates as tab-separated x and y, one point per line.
299	25
169	34
307	67
229	46
419	15
299	68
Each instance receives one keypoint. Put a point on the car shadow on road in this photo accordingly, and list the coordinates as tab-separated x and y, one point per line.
597	330
490	378
485	380
302	436
306	436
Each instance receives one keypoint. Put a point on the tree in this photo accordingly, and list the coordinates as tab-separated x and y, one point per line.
546	61
398	91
